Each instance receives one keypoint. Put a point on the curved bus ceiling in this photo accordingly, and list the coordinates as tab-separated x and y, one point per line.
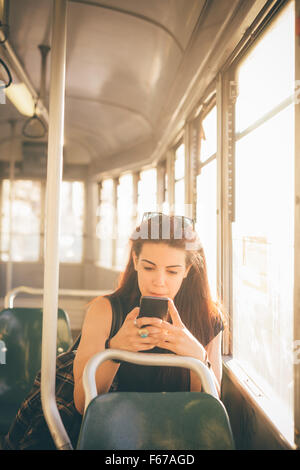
129	66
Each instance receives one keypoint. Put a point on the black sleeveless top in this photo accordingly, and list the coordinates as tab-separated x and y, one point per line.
136	378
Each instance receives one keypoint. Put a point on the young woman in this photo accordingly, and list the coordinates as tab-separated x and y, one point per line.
166	259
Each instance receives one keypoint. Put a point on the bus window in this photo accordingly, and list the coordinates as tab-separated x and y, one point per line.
165	205
206	215
147	198
262	234
124	215
72	212
21	206
179	180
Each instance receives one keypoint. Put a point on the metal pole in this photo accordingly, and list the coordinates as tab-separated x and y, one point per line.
12	156
52	220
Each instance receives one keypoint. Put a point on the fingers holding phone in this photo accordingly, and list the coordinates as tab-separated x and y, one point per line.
153	313
133	336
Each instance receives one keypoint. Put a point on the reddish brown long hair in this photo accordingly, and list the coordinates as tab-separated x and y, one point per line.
193	301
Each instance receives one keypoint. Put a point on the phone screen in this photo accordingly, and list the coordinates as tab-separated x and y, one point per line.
153	307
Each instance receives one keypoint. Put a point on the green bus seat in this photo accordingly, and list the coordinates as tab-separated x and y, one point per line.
20	355
146	421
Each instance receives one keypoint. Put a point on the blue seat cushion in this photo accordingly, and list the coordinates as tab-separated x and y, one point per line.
170	420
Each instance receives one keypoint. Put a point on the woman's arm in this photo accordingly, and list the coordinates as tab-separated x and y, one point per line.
213	350
178	339
95	331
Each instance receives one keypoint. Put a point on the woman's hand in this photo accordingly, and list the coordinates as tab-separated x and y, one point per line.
128	337
177	338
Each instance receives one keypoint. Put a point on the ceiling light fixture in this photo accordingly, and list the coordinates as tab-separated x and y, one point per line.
21	98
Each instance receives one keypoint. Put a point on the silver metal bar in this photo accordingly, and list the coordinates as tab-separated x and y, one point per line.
11	295
4	19
52	223
89	381
269	115
9	264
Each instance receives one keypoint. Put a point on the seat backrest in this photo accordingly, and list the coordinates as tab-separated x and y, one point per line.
135	421
21	340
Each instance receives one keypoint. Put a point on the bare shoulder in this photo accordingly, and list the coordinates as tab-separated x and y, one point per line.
95	329
99	306
98	317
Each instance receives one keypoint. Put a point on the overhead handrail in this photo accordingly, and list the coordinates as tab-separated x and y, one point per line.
11	295
89	381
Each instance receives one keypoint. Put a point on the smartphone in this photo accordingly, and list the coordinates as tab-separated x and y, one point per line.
153	307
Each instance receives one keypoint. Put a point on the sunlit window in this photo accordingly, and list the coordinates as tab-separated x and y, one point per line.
262	235
179	180
124	217
147	193
105	227
206	218
206	224
72	212
265	79
21	214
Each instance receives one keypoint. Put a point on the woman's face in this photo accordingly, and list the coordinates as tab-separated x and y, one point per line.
160	269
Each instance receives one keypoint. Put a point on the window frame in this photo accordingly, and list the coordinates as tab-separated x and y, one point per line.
162	189
297	242
181	140
206	108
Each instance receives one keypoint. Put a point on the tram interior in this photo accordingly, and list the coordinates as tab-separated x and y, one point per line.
136	72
